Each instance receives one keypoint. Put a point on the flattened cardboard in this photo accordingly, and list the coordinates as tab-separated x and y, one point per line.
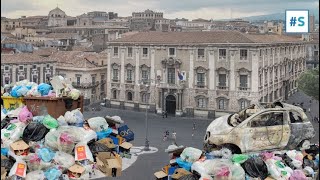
160	175
108	142
180	172
19	147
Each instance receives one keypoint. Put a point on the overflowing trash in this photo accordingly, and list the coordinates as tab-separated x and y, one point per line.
191	163
69	147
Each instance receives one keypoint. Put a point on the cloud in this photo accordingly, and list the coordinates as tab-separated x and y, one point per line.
191	9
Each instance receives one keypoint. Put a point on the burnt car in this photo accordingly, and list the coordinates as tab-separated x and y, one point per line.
260	127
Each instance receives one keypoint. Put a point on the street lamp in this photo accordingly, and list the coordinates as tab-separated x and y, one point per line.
146	84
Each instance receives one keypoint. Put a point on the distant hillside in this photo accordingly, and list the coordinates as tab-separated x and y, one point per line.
278	16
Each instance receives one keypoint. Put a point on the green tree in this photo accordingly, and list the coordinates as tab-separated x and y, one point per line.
309	83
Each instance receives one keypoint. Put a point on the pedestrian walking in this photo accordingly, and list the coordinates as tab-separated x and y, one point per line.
166	113
193	128
165	136
163	114
174	135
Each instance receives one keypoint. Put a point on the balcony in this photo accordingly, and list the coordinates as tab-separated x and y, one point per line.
85	85
243	58
201	85
244	88
223	88
103	82
222	57
115	80
181	85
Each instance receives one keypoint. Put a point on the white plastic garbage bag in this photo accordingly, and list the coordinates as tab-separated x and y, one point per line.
191	154
98	124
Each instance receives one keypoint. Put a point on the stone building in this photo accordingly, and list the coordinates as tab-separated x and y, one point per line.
17	67
57	17
8	24
201	73
141	21
86	70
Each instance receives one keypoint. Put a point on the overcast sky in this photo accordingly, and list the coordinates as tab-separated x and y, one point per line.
191	9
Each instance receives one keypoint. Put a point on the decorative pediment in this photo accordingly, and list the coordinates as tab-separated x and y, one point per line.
200	69
129	66
144	67
243	70
222	69
115	66
171	62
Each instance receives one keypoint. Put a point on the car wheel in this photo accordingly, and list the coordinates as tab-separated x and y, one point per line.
305	144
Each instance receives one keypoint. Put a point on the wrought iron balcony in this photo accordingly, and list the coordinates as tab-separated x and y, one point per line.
85	85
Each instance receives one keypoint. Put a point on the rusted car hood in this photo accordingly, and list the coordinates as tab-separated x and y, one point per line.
220	126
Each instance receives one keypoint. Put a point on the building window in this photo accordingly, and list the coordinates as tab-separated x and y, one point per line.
200	80
129	51
200	53
115	51
93	78
202	102
243	104
114	94
129	74
222	104
172	51
144	98
145	75
115	75
260	79
144	52
222	53
171	76
34	67
222	81
243	54
243	82
78	80
21	67
6	68
129	96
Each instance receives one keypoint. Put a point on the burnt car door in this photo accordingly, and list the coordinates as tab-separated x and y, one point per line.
266	130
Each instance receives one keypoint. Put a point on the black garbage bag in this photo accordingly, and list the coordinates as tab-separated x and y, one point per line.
313	150
34	132
256	168
5	122
7	162
288	161
189	177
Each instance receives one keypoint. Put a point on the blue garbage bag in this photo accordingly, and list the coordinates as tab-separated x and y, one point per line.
104	134
4	151
14	91
184	164
53	173
45	154
126	133
44	89
22	91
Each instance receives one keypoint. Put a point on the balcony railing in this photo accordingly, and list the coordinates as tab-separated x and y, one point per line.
243	58
222	57
200	85
244	88
223	87
115	80
85	85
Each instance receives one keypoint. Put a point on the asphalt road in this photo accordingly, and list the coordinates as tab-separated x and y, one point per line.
147	164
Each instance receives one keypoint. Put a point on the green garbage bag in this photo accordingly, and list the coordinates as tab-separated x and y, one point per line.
50	122
239	158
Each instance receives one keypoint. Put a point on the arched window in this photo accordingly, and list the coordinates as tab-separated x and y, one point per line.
129	96
243	103
114	94
222	103
144	98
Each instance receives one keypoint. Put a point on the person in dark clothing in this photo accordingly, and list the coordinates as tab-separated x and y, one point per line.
166	113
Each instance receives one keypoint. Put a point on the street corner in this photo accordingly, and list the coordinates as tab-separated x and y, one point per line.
140	150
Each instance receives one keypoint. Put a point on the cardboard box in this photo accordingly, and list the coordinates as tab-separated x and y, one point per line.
125	147
76	171
108	142
20	148
160	175
110	164
180	172
3	173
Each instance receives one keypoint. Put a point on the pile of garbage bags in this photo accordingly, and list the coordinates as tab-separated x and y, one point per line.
58	87
188	163
69	147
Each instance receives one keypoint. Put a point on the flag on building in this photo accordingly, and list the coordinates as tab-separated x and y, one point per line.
180	76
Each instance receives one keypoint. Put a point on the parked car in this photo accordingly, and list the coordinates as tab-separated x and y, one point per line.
258	127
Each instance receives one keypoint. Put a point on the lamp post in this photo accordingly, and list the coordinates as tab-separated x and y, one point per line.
146	84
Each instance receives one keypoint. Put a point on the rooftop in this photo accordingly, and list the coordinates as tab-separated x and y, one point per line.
91	27
59	35
210	37
20	58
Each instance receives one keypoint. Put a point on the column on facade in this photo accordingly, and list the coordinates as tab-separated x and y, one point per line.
109	74
232	78
212	80
41	72
122	74
255	75
152	77
13	75
191	74
28	72
137	70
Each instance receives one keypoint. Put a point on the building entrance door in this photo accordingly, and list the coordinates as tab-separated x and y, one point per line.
171	104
